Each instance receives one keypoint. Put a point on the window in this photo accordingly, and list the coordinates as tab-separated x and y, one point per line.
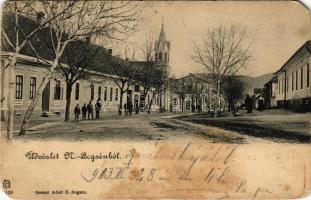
19	87
308	75
160	56
99	93
58	92
297	80
301	78
117	94
105	94
92	92
77	91
279	86
165	57
111	93
282	86
32	88
286	83
292	81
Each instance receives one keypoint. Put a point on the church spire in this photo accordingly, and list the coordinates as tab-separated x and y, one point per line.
162	47
162	33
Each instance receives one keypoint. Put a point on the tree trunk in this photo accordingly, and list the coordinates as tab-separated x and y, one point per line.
121	103
68	101
218	93
150	104
11	96
34	102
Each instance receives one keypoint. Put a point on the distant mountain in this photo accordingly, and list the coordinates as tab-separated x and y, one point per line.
255	82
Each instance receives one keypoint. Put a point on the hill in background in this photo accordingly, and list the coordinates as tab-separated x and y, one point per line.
255	82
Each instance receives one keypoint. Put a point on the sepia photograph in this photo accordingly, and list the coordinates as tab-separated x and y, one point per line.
155	99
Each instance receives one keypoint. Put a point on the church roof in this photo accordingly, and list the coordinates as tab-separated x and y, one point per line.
162	34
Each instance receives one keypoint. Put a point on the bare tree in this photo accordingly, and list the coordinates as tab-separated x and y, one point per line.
123	73
158	83
79	56
223	52
147	68
85	19
233	88
13	11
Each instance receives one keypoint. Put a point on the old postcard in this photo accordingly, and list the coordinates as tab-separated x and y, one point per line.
155	99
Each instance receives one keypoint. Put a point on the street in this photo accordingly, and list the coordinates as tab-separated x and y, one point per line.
176	126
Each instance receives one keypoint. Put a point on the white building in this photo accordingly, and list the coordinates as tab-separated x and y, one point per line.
293	80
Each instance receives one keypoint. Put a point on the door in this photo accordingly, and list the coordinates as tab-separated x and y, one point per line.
46	98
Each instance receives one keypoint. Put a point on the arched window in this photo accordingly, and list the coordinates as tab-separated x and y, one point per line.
165	57
160	56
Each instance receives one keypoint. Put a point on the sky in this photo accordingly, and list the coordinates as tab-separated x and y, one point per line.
276	29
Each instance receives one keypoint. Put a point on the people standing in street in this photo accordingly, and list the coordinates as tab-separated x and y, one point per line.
77	113
84	110
260	104
136	108
130	108
98	107
249	104
90	110
125	109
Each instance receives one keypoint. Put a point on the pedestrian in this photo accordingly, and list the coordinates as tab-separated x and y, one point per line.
84	110
249	104
98	107
136	108
260	104
77	113
90	110
130	108
125	109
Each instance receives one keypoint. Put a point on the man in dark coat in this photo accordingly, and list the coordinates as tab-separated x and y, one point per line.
130	108
136	108
90	110
98	107
125	109
77	113
249	104
84	110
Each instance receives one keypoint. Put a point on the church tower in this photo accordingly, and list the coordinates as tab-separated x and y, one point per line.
162	47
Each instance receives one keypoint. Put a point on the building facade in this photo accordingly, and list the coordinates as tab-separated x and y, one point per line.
29	75
192	93
290	87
